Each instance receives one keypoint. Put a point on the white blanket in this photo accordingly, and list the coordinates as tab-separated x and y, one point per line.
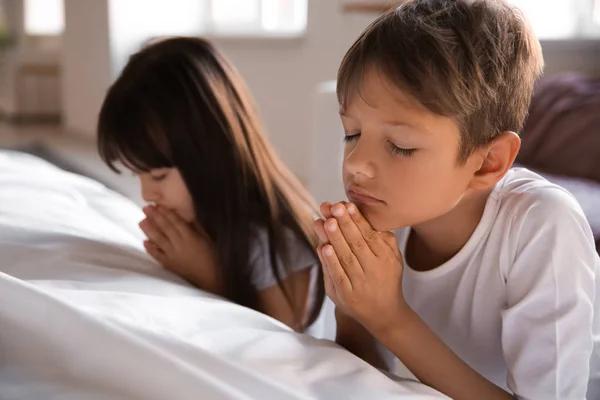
86	314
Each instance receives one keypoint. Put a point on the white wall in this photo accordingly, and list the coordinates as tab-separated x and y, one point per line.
99	37
86	63
283	74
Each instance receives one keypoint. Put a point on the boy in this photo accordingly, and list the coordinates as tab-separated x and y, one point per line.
490	286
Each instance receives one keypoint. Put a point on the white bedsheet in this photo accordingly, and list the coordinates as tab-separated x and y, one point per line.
86	314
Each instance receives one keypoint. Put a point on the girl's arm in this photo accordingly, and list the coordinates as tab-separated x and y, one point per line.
272	300
357	340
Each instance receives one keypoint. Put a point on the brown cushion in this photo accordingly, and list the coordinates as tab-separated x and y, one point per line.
562	134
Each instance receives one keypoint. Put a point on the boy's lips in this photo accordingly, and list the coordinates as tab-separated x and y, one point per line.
360	195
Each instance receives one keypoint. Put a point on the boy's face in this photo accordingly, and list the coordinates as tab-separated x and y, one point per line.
402	167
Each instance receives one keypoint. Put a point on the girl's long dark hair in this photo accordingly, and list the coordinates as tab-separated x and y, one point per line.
179	103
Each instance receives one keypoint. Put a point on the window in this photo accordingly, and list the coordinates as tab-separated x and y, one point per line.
220	17
44	17
562	19
256	17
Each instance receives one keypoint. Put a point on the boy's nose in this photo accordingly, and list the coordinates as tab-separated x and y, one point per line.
359	163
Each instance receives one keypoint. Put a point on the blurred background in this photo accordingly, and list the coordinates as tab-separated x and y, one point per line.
58	57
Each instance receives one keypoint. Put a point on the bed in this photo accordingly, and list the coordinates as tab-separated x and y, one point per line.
86	314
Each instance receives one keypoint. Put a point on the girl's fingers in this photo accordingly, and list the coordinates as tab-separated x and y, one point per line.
178	224
154	234
155	252
165	224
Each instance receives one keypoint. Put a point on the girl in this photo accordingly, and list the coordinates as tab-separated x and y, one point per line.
226	213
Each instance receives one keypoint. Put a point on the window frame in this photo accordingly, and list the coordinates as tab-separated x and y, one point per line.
257	32
585	26
39	35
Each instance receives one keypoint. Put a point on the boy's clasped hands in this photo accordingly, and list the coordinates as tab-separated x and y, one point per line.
362	267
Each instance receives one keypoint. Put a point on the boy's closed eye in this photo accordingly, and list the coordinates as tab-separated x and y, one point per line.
401	151
395	149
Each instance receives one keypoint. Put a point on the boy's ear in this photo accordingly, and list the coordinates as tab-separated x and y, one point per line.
495	160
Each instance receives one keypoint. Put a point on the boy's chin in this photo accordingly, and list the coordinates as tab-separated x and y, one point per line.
378	220
383	226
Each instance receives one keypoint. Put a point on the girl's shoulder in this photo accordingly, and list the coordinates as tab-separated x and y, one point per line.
296	245
299	256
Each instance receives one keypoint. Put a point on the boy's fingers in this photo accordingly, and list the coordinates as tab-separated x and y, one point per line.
330	283
344	254
329	288
338	279
320	254
326	209
392	241
357	243
370	235
319	228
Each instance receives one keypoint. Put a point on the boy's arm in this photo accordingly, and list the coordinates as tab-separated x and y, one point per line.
426	356
434	363
363	275
550	322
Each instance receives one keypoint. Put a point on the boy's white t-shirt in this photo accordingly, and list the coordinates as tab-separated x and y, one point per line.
520	302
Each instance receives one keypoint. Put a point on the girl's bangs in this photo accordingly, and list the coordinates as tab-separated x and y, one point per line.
132	136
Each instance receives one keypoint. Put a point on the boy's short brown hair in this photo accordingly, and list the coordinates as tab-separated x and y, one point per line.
473	60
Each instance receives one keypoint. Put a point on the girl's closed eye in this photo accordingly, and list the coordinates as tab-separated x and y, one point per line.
157	177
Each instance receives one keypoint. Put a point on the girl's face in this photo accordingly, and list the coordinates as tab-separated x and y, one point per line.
165	187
